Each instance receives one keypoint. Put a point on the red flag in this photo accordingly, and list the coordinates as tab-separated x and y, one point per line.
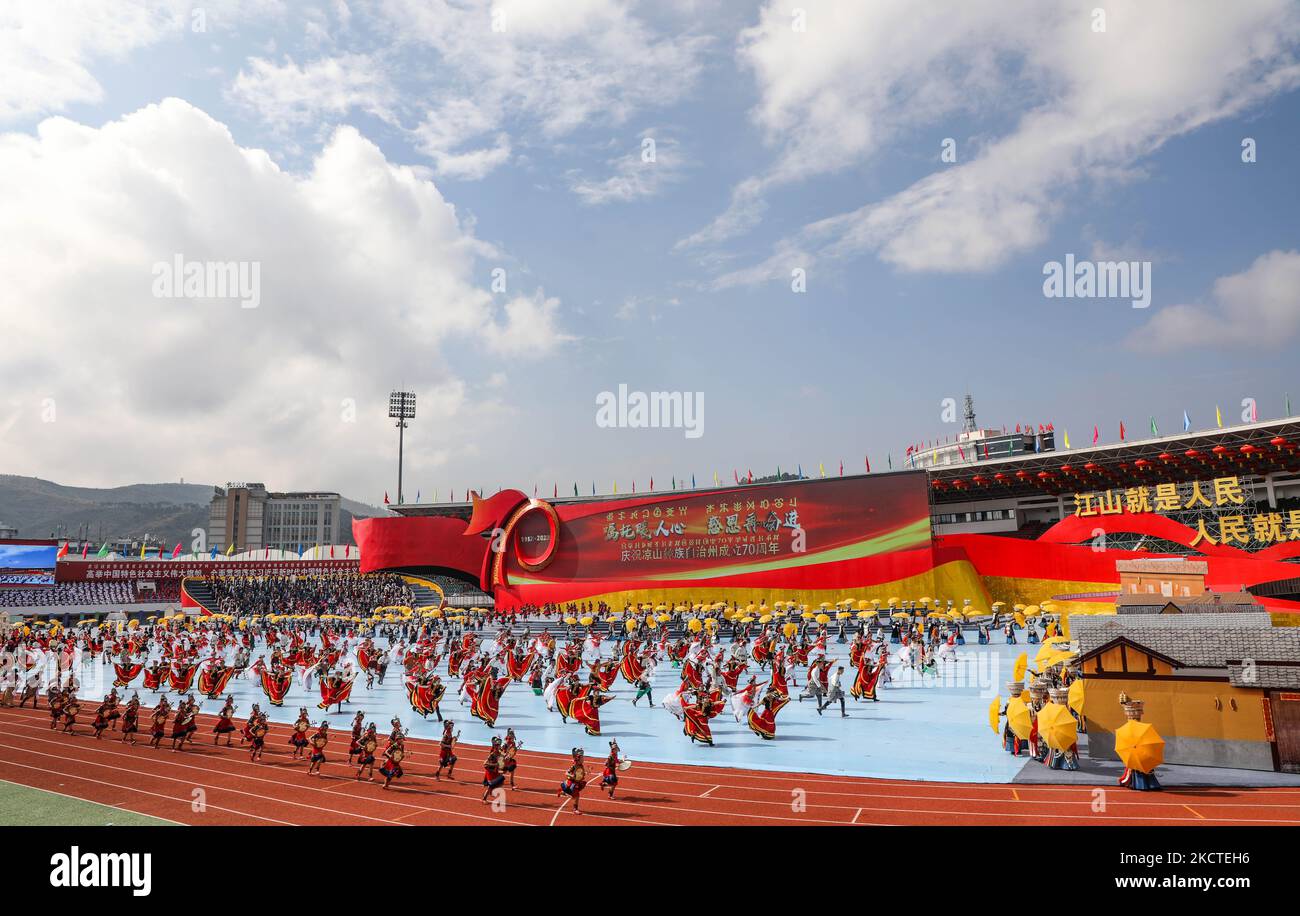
961	451
751	476
385	497
331	551
84	549
177	551
652	485
63	551
841	467
1121	430
986	450
266	553
1017	427
555	491
867	459
161	548
1096	433
735	475
634	486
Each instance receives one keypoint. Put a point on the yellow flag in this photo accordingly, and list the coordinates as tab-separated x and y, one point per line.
715	478
1218	416
230	549
1067	438
616	488
821	468
142	550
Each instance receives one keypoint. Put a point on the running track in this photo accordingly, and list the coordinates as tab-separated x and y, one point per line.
277	790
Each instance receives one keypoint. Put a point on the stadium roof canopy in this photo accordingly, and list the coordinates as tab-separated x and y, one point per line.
1254	449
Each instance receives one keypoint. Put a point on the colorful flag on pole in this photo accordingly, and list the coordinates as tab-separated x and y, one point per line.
103	551
1218	416
1121	430
867	459
63	551
821	468
1067	442
1096	434
231	549
142	550
1155	431
1187	422
385	497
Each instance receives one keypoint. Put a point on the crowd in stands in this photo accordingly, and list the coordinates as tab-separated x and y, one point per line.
71	594
338	593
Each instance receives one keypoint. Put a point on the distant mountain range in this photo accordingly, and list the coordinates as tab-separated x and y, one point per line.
162	511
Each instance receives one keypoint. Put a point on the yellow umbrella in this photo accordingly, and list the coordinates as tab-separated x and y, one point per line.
1019	618
1044	653
1032	611
994	708
1057	727
694	625
1019	719
1075	698
765	619
790	629
1053	640
1139	746
864	615
900	615
1018	671
823	619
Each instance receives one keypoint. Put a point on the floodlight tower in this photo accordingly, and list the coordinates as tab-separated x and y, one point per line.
401	407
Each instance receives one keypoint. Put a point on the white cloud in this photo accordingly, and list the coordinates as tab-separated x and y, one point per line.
289	94
529	329
555	66
48	49
367	272
1258	307
1084	107
632	176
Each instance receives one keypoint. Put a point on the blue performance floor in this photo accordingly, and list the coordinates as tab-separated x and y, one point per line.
931	727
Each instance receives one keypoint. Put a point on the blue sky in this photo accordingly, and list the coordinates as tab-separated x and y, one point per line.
408	150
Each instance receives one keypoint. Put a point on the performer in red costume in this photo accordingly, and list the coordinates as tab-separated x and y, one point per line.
509	749
225	722
366	748
131	718
575	780
393	756
257	739
486	693
696	715
585	707
445	747
493	778
609	778
318	742
864	685
762	718
298	737
354	745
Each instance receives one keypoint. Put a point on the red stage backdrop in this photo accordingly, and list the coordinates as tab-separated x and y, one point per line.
855	535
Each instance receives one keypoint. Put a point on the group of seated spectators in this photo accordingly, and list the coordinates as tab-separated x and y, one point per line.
71	594
337	593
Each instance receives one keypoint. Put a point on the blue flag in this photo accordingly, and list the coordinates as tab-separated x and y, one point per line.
1187	422
692	481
